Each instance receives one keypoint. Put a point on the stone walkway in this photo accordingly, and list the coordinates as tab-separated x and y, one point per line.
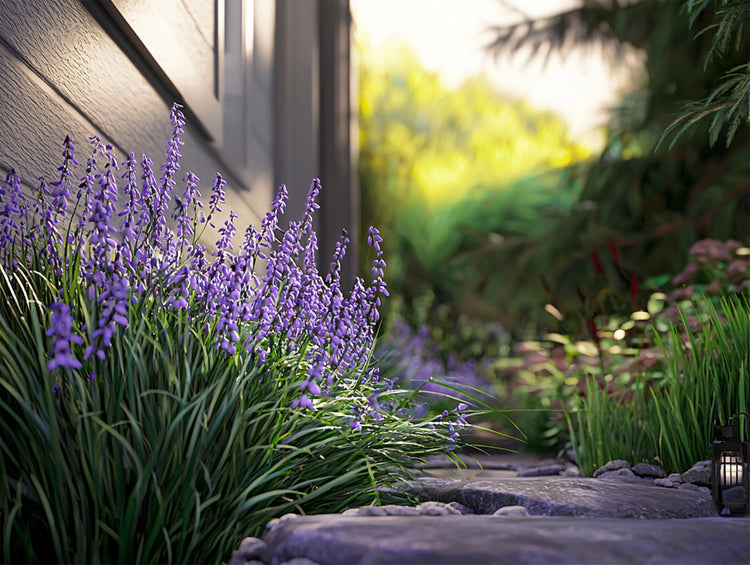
500	510
407	540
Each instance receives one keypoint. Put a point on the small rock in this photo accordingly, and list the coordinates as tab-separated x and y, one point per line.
251	549
299	561
542	469
511	511
672	481
616	474
646	470
396	510
461	508
734	497
698	474
571	471
433	508
276	521
691	486
370	511
611	466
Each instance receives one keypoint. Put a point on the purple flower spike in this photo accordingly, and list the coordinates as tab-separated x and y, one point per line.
304	402
119	253
61	188
61	336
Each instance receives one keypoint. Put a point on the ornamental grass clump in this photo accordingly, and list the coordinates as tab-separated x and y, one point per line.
160	401
670	420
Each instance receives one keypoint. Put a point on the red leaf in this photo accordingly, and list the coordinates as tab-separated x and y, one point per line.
634	288
597	264
613	251
546	287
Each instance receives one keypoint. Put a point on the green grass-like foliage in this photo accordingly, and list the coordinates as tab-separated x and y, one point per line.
671	422
176	452
139	430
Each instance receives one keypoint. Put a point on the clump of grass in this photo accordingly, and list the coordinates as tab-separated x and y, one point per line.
671	420
158	402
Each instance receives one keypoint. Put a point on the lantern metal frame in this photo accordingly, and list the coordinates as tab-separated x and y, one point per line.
730	457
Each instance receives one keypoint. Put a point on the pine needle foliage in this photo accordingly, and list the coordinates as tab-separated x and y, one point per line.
727	105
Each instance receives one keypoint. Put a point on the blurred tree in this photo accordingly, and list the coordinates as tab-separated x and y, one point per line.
424	150
446	173
649	205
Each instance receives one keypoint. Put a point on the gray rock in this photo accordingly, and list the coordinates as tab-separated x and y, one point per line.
251	549
698	474
571	471
433	508
672	481
396	510
511	511
299	561
366	511
542	469
734	497
695	488
276	521
646	470
563	496
333	539
461	508
612	466
617	474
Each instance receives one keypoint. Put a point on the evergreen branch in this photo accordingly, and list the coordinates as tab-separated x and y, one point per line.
592	24
729	103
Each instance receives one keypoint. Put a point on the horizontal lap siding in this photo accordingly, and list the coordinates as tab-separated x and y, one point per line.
63	74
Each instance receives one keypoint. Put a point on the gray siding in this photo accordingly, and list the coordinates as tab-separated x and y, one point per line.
68	69
251	74
316	120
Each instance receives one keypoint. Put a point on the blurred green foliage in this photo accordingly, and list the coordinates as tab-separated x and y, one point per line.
557	372
670	421
467	219
430	159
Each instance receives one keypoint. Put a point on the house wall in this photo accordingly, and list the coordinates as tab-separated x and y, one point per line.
316	127
250	74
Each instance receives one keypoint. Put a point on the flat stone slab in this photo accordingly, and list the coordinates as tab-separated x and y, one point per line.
338	540
571	496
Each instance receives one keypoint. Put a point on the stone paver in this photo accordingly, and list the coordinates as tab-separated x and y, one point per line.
436	540
494	514
571	496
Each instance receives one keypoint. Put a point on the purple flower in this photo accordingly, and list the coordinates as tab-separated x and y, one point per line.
12	212
61	188
217	197
120	253
303	401
61	334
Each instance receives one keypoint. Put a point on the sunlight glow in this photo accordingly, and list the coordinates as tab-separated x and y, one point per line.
450	37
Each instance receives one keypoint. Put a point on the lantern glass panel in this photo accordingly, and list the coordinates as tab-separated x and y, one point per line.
731	471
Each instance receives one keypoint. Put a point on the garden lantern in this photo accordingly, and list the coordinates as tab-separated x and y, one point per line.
730	480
